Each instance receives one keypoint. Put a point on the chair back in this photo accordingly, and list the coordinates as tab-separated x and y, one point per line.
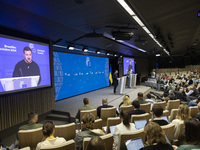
67	131
106	113
108	140
169	131
30	138
193	111
173	104
68	145
140	117
173	114
166	113
112	121
146	107
130	135
162	104
25	148
83	112
127	108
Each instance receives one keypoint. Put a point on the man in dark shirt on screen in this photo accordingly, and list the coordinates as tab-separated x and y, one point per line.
27	67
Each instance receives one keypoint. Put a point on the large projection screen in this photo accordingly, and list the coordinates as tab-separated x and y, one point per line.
76	74
128	63
24	64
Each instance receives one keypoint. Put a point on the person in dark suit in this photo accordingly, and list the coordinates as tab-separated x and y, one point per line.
115	80
136	110
104	105
157	112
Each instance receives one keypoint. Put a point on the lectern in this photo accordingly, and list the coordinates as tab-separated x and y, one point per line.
132	80
16	83
121	85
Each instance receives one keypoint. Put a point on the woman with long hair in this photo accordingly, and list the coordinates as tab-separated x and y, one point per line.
124	126
192	138
126	101
155	138
183	114
48	136
87	130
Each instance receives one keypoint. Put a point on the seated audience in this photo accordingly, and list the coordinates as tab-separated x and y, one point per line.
192	138
197	79
198	115
104	105
86	106
87	130
157	112
126	101
141	99
136	109
48	137
194	102
96	143
149	100
123	102
171	95
32	122
155	138
183	114
193	93
124	126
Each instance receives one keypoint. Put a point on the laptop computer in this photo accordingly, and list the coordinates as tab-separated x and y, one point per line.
134	144
139	124
112	129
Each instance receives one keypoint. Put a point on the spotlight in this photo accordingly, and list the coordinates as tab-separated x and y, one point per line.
98	52
108	54
70	47
85	49
115	55
157	55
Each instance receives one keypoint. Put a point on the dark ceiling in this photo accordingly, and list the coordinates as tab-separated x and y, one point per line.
174	23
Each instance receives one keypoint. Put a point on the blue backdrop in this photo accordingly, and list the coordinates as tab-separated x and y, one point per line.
76	74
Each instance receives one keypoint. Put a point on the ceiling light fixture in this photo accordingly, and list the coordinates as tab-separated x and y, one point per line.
137	19
85	49
98	52
70	47
157	55
108	54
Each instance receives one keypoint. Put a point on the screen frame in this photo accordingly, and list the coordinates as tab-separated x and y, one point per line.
50	63
123	64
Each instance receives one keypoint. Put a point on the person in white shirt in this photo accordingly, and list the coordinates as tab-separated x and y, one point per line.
183	114
49	140
124	126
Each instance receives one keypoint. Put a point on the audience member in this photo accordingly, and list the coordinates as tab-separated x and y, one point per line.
126	101
192	138
157	112
136	109
86	106
123	102
171	95
155	138
124	126
194	102
104	105
96	143
149	100
87	130
48	137
141	99
32	122
193	93
183	114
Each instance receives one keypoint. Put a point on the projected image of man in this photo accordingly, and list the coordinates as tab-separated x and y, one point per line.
130	68
27	67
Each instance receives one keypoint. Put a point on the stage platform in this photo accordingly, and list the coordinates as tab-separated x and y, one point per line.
72	104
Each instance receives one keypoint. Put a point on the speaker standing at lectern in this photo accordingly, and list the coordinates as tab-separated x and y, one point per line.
27	67
115	80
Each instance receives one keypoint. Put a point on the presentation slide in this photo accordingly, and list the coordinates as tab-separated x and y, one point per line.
128	65
76	74
24	64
